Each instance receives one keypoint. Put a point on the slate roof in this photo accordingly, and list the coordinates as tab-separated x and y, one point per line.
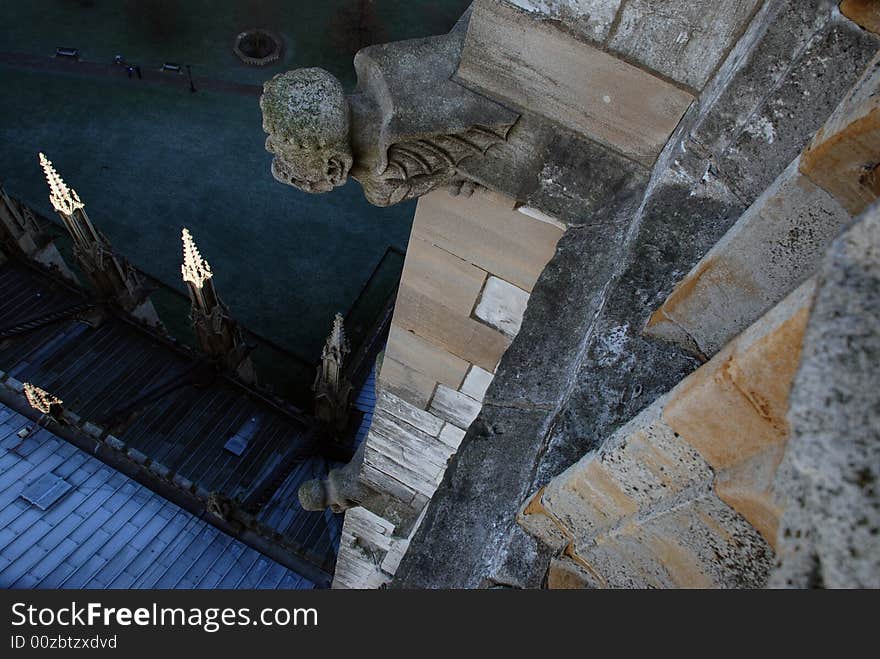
164	403
106	530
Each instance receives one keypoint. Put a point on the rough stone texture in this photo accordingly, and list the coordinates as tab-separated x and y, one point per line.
829	533
402	134
682	39
579	368
646	508
510	56
843	156
778	130
590	19
776	244
864	12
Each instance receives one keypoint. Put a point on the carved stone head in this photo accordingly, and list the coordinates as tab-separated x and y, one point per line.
306	116
317	495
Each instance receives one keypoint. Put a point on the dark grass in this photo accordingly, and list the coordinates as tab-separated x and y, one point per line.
148	159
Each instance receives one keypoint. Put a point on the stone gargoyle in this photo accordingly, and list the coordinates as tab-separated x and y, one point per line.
405	130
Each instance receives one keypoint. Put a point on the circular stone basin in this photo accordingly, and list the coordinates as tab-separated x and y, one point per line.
257	47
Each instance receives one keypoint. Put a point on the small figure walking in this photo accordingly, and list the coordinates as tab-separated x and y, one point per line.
192	87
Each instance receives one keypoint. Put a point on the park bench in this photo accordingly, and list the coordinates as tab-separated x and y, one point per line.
171	67
72	53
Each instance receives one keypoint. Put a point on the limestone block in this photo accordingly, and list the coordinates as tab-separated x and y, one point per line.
451	435
776	244
810	89
682	39
843	156
502	306
486	231
591	19
407	383
440	275
566	574
366	538
454	407
423	356
735	406
404	411
829	532
864	12
649	461
476	382
457	333
539	67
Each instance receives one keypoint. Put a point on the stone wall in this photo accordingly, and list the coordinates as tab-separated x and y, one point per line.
470	267
682	495
581	366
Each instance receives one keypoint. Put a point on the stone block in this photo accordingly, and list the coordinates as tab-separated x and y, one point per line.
451	435
650	461
864	12
843	156
567	574
454	407
590	19
806	95
486	231
404	411
735	406
421	355
441	276
502	306
476	382
747	487
407	383
829	531
456	333
512	57
776	244
681	39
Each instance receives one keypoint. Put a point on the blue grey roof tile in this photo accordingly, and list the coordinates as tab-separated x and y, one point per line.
109	531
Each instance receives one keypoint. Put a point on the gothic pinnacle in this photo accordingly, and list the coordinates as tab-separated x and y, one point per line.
64	200
195	269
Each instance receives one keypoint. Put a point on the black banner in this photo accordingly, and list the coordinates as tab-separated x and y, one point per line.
374	623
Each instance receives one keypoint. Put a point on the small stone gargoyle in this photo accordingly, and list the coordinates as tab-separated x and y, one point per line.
405	131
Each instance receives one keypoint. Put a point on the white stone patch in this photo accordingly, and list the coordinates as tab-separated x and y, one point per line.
763	129
476	382
542	216
613	344
452	436
454	407
502	305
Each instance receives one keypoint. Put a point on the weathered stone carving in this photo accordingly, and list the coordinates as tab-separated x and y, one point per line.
42	401
112	276
341	489
332	389
218	334
405	131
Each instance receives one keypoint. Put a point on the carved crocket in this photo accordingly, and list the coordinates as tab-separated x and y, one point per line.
406	130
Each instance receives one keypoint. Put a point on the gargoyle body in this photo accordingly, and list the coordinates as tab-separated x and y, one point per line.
406	130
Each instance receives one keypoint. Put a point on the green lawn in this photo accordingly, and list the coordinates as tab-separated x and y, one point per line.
148	159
